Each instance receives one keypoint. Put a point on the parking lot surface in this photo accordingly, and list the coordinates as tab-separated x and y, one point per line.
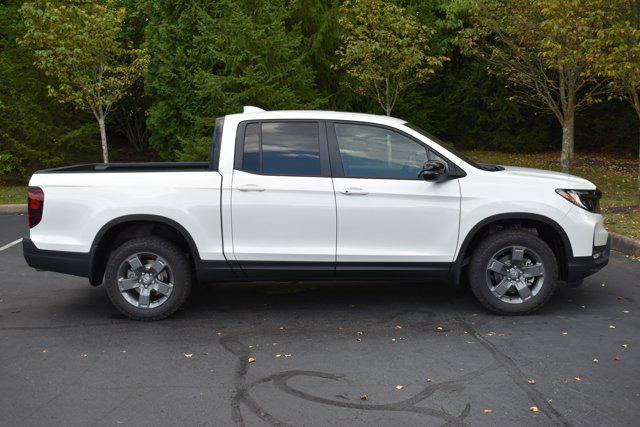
316	354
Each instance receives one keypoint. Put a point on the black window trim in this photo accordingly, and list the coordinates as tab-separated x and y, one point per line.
336	160
325	166
216	144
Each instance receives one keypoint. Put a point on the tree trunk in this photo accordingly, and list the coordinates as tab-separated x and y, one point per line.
103	139
639	171
567	141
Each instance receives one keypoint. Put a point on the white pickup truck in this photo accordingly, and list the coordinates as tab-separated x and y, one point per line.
313	195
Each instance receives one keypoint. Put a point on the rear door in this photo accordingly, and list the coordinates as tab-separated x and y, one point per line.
282	202
388	217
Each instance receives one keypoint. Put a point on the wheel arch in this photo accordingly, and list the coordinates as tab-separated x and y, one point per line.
138	225
548	229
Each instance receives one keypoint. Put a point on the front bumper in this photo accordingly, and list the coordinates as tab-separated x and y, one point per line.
74	263
580	267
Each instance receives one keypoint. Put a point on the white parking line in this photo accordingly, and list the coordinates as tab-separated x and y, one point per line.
8	245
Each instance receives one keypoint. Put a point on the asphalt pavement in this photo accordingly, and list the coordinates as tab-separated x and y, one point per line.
316	354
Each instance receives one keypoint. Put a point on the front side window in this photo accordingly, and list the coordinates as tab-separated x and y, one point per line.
374	152
282	148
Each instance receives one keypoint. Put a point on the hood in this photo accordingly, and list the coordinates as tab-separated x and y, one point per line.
563	180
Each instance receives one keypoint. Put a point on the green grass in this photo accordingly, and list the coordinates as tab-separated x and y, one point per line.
13	195
616	177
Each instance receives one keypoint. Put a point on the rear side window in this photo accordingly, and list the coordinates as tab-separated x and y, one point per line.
282	148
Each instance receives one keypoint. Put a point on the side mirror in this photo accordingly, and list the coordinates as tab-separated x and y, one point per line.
434	171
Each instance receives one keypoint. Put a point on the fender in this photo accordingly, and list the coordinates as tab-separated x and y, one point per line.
204	269
457	264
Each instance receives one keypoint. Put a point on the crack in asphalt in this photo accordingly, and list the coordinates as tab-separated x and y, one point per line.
242	394
518	377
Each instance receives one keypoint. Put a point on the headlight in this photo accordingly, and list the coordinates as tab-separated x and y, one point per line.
585	199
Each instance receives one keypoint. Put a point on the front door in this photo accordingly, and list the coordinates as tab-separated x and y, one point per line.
388	217
282	200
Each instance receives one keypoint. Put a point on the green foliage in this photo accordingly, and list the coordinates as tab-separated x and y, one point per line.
211	58
77	45
34	130
384	50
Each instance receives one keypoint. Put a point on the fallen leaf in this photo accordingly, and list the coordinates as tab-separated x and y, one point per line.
534	409
399	387
188	355
488	411
364	397
532	381
251	359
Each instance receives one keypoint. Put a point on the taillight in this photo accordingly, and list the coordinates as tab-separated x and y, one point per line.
36	205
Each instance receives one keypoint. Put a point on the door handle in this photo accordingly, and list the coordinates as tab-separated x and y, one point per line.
250	187
355	191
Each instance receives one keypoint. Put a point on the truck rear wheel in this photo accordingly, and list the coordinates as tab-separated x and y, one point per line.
148	278
513	272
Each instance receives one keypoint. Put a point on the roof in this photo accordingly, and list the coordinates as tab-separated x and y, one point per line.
254	113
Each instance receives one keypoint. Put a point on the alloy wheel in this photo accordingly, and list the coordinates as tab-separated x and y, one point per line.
515	274
145	280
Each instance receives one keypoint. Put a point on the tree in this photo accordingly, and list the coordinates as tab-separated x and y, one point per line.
384	50
616	51
77	45
211	57
541	48
35	131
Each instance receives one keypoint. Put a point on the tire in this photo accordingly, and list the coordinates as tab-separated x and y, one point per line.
154	286
509	261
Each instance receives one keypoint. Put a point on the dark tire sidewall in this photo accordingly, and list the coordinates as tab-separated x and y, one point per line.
492	244
177	262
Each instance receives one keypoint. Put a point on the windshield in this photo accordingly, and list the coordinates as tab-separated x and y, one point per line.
449	147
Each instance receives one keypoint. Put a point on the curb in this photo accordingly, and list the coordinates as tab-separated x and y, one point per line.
13	209
625	244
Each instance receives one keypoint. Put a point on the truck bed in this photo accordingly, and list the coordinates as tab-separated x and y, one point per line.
131	167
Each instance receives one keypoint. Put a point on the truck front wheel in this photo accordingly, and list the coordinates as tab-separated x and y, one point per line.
148	278
513	272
